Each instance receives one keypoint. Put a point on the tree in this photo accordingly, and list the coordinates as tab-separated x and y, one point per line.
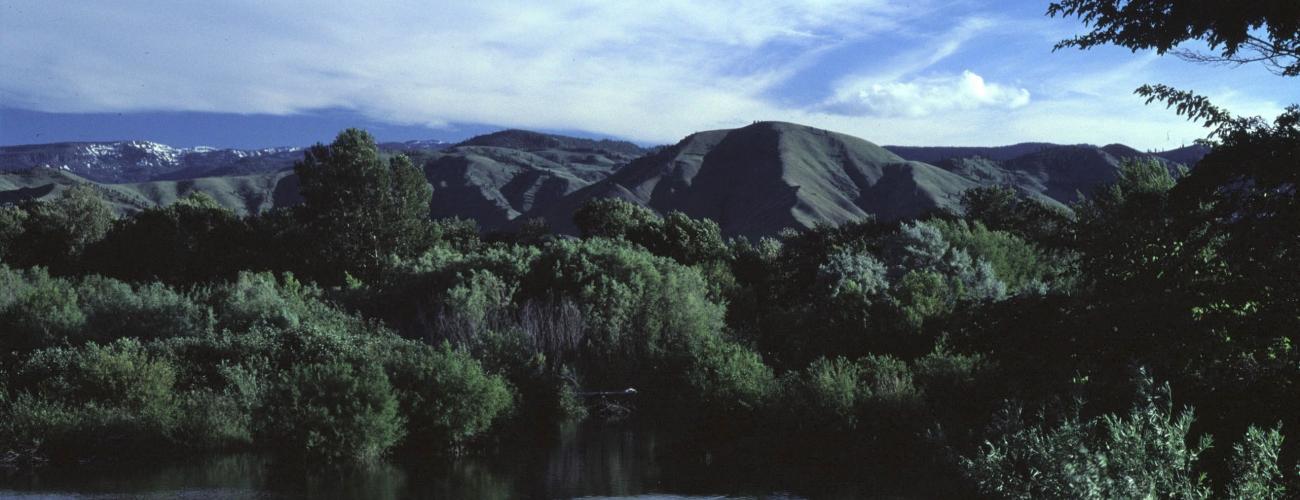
358	211
57	232
612	218
194	239
1240	31
332	413
11	228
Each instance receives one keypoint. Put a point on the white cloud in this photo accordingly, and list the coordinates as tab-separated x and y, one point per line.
645	70
929	96
650	71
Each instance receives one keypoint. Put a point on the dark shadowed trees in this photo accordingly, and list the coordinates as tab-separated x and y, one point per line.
1238	31
358	210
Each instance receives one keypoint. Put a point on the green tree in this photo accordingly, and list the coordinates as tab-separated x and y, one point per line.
11	228
612	218
57	232
332	413
359	211
192	240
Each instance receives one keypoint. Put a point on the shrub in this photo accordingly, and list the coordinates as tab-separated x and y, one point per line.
121	374
448	397
114	310
331	413
1255	469
728	379
1143	454
824	397
114	399
641	311
41	310
57	232
261	298
1013	260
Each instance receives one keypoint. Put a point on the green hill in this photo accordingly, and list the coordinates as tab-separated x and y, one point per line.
242	194
756	180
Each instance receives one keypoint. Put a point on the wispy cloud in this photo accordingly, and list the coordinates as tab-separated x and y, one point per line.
567	64
651	71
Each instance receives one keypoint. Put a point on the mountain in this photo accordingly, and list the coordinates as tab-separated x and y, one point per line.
935	154
527	140
1187	155
1055	175
142	161
494	178
139	161
414	146
245	194
756	180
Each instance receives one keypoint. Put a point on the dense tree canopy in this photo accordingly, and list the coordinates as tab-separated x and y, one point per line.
359	210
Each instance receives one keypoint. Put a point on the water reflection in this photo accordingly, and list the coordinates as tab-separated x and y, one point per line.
589	461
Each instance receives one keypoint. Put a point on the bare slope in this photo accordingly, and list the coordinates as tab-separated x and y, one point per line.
756	180
496	177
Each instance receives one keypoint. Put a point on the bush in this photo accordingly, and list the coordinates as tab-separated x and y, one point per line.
727	379
1143	454
114	310
38	310
641	311
122	374
824	398
115	399
447	397
57	232
261	298
192	240
331	413
1255	469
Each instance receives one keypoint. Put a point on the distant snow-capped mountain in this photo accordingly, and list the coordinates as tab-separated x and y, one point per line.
140	161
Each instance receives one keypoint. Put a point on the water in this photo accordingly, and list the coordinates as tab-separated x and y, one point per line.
589	461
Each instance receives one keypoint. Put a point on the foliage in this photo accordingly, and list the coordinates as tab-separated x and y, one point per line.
334	413
728	379
447	397
677	235
1266	32
1003	209
114	398
358	210
192	240
612	218
114	309
1142	454
1255	469
11	228
640	310
56	233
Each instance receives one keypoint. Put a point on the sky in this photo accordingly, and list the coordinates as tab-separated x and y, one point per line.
259	73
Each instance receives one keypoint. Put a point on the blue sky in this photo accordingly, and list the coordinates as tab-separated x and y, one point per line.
251	73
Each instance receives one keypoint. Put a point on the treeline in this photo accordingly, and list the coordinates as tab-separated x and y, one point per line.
1010	349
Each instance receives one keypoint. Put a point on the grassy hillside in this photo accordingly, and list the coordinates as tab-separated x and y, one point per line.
759	179
242	194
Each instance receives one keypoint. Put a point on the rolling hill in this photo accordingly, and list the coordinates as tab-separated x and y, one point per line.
754	181
496	177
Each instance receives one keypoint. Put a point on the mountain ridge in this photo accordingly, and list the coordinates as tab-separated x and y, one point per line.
753	180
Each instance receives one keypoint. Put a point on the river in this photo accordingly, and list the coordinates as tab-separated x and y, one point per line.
580	461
